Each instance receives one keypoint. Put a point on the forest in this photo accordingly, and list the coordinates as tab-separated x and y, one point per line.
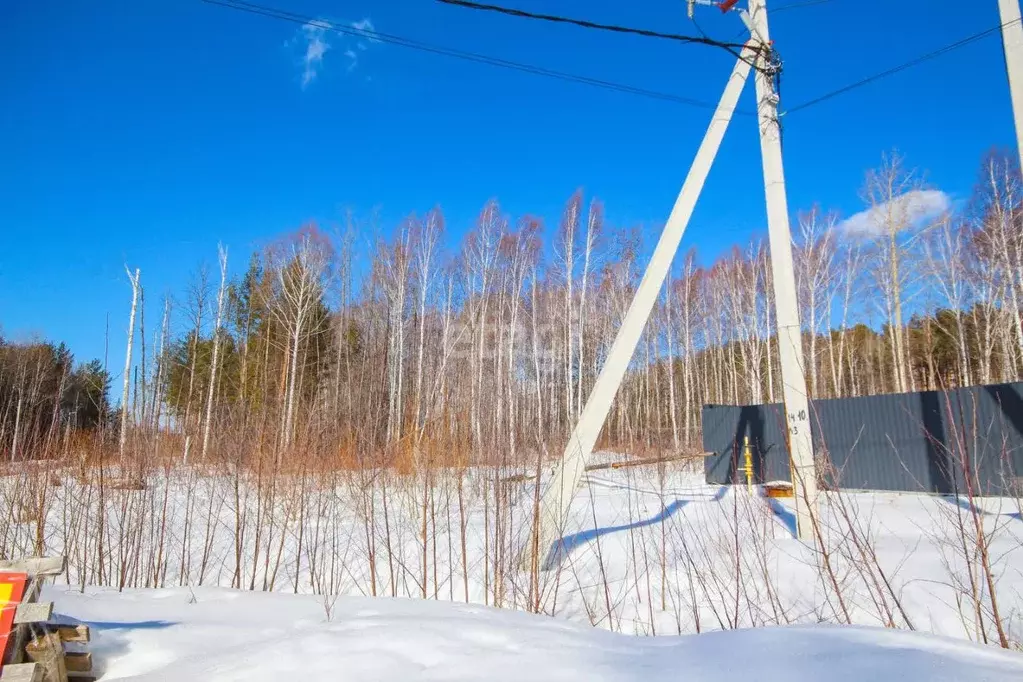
332	348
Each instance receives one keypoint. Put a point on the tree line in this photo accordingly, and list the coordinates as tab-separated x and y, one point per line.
45	397
402	349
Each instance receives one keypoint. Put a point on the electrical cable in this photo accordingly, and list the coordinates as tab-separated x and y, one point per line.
901	67
274	13
732	48
735	53
584	23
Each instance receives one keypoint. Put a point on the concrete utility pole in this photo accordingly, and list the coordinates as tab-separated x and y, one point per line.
557	496
790	339
1012	40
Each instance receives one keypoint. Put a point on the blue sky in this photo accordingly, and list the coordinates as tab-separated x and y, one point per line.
144	132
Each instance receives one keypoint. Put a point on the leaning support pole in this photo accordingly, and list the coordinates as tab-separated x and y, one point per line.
1012	42
790	340
557	497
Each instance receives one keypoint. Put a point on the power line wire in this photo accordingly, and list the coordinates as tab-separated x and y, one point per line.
585	23
735	53
901	67
293	17
704	39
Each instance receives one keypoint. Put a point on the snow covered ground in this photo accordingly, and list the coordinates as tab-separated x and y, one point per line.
644	553
222	635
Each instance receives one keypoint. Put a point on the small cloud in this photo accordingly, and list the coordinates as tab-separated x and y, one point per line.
366	26
312	40
315	36
905	210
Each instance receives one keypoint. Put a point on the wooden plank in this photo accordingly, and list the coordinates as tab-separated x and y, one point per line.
16	644
33	612
644	461
48	652
78	661
32	590
73	633
21	672
36	566
20	633
522	478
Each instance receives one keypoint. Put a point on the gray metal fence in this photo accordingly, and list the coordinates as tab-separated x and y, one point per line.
929	441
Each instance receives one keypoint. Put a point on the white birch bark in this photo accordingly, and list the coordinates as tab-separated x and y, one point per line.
127	360
215	362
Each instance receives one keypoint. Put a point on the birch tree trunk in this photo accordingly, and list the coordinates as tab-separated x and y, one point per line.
17	424
127	360
593	225
207	422
672	406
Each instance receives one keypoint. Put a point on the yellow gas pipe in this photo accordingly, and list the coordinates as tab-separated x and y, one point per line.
747	453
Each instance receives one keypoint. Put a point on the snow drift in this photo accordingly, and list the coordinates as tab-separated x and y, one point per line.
221	635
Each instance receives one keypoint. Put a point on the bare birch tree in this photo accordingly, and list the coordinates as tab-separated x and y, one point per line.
299	269
211	391
815	277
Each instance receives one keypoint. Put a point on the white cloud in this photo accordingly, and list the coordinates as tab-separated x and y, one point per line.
365	25
353	58
903	211
312	39
314	34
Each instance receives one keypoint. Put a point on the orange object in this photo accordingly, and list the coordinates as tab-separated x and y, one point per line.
12	590
778	490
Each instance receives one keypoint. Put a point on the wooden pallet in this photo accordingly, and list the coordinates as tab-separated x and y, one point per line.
35	650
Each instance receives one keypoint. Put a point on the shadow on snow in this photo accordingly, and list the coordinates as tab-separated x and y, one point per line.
967	506
569	543
115	624
783	514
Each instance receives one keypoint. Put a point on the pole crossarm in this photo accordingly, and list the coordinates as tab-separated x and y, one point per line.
1012	45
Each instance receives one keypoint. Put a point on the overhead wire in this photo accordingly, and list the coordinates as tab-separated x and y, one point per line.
735	53
293	17
732	48
263	10
585	23
901	67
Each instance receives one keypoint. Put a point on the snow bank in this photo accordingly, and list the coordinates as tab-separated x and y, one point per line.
220	635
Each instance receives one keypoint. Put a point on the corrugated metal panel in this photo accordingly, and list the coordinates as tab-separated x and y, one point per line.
992	432
881	442
910	441
724	429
